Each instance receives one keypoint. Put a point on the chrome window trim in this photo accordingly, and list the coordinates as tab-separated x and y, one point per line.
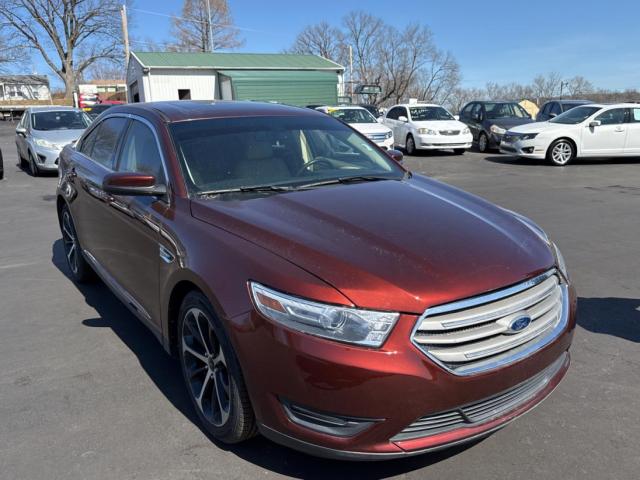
509	357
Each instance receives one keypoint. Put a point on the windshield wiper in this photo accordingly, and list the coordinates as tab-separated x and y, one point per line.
334	181
256	188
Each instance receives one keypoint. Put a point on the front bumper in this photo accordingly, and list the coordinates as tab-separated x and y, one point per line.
393	386
47	158
524	148
443	142
386	144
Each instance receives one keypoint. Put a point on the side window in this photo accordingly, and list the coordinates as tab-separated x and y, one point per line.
393	113
88	141
545	109
615	116
466	111
106	140
555	108
140	152
403	112
476	110
635	115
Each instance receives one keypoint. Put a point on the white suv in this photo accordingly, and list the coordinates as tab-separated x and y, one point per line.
425	126
584	131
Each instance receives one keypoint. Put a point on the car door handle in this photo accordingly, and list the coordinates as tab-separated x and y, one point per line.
619	129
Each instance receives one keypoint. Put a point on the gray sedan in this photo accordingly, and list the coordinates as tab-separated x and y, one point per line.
44	131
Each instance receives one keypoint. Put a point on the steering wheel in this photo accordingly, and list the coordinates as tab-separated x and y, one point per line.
317	160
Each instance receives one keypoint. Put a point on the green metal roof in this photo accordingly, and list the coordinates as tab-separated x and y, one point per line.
252	61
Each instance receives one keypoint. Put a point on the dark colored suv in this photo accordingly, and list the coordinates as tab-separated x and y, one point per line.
553	108
488	121
264	246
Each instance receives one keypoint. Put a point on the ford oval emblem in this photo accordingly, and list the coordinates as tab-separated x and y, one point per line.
519	323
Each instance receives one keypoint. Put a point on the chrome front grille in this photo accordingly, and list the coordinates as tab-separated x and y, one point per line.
493	330
483	410
449	132
377	137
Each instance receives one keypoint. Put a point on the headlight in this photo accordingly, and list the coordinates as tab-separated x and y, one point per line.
389	134
466	131
562	266
361	327
427	131
528	136
44	143
497	129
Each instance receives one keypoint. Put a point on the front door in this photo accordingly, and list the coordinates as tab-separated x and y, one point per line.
609	137
632	145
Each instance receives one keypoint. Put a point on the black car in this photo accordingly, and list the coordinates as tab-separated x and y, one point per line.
488	121
553	108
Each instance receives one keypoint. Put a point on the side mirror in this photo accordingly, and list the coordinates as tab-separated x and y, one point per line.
21	131
456	117
380	119
402	118
130	183
395	155
595	123
553	115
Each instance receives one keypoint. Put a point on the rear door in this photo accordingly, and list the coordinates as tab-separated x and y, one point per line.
135	223
609	137
632	145
475	120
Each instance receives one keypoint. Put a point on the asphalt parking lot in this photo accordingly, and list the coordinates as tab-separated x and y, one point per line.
87	392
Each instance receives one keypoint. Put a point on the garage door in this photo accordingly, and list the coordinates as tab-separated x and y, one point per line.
290	87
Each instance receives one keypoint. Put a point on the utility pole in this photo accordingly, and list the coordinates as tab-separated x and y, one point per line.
210	26
562	85
125	35
351	70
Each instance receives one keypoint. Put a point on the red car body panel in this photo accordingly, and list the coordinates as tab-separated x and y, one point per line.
398	246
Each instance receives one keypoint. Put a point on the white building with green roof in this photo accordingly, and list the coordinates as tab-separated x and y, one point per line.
278	77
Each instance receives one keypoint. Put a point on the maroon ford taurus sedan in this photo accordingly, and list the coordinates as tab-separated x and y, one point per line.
314	290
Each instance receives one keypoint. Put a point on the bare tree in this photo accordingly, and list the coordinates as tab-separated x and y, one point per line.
364	33
105	70
440	77
579	85
205	25
547	86
9	51
321	39
70	35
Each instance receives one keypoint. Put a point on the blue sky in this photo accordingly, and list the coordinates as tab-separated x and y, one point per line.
493	41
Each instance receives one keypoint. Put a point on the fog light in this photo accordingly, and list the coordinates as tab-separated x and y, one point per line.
527	149
41	158
328	423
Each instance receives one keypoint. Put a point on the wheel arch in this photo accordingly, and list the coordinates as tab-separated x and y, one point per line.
572	141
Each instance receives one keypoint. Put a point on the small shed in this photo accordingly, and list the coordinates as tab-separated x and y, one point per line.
24	87
276	77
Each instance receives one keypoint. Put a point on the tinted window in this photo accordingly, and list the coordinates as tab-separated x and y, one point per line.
555	108
140	152
245	152
106	140
466	111
88	141
393	114
612	117
476	110
429	113
569	106
59	120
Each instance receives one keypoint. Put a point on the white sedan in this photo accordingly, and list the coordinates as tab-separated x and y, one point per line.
361	119
422	126
585	131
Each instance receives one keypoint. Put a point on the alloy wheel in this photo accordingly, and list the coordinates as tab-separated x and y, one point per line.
561	153
70	242
482	143
206	367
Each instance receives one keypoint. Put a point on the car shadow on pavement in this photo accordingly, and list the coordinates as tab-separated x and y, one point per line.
524	162
619	317
164	371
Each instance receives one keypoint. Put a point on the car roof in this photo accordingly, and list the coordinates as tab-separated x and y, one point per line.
572	101
344	107
184	110
52	108
417	105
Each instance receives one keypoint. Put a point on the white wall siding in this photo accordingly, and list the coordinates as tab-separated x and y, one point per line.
163	84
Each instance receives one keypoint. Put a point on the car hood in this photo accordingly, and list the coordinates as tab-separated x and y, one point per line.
370	128
389	245
508	123
59	137
538	127
440	124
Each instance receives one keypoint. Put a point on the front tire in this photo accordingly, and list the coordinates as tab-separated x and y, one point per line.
410	145
81	271
483	143
561	152
33	167
212	373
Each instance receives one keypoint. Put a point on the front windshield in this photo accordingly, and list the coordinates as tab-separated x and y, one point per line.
59	120
505	110
352	115
422	114
575	115
283	151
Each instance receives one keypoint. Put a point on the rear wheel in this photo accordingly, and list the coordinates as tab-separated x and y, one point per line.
80	270
459	151
561	152
212	373
483	143
410	145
